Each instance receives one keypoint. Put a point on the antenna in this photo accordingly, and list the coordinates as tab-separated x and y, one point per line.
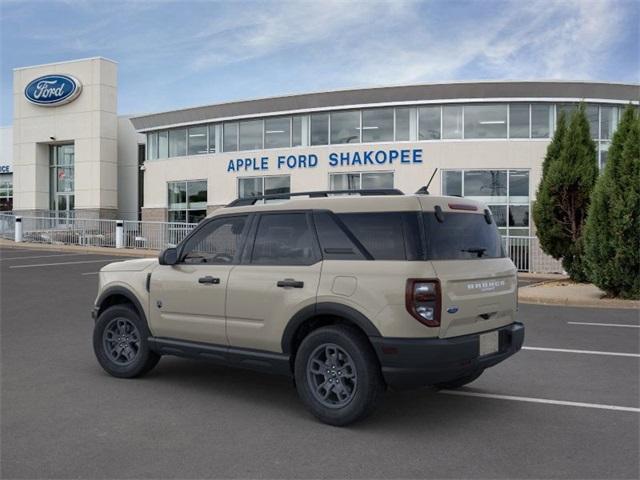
425	190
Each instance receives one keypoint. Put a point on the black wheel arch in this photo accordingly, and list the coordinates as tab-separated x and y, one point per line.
118	295
324	310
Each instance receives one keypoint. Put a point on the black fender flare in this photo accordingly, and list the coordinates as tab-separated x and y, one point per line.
125	292
326	308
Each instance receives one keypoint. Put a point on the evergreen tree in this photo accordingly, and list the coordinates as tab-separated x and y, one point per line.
563	198
612	233
548	231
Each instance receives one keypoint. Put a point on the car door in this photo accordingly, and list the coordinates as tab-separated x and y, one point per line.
188	298
278	276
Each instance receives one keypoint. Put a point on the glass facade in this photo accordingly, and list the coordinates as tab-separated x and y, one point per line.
257	186
6	192
360	180
345	127
429	123
61	179
485	121
377	125
384	124
187	201
506	192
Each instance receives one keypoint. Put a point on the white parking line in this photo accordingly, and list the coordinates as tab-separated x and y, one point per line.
604	324
40	256
106	260
589	352
541	400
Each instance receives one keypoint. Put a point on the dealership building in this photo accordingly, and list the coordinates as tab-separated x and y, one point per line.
69	151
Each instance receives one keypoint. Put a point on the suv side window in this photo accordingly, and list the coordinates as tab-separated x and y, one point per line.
217	243
284	239
386	235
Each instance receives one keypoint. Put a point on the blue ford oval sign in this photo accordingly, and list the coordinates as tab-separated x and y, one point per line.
53	90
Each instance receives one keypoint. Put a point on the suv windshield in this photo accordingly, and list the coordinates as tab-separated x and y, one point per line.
461	236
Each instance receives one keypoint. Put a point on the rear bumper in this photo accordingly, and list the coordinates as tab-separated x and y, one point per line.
416	362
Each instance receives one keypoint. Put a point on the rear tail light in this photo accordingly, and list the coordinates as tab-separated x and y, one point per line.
422	298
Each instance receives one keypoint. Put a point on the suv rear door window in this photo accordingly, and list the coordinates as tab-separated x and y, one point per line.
386	235
461	236
284	239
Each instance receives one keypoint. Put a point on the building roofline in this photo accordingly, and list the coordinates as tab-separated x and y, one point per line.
392	94
65	61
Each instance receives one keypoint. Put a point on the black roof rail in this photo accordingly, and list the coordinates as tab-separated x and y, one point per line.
242	202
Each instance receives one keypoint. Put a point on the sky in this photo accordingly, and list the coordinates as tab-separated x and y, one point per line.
176	54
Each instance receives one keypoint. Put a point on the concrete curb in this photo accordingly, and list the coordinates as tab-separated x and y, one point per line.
122	252
528	295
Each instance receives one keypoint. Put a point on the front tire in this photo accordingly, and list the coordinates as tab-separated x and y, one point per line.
120	343
337	375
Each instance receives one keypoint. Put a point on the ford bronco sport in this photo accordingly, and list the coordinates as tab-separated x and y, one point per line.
346	294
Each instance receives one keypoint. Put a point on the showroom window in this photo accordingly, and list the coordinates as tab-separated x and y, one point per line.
230	137
61	179
485	121
277	132
541	120
212	138
608	122
152	146
320	129
6	192
519	120
452	121
197	140
429	123
377	125
360	180
403	124
296	131
187	201
178	142
251	135
345	127
258	186
506	192
163	144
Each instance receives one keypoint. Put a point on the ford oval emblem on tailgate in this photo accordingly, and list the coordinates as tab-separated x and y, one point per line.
452	309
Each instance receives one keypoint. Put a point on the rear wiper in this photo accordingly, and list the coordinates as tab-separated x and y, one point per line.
478	251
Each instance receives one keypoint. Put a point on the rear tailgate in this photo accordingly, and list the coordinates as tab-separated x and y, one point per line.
477	294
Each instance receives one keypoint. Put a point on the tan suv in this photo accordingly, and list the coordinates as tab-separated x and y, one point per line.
346	294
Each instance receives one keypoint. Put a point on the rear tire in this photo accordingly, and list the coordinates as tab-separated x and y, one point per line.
337	375
120	343
459	382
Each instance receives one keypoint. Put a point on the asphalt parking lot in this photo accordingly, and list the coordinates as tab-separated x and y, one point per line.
567	406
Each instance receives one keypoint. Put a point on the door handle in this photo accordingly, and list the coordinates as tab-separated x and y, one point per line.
290	282
209	280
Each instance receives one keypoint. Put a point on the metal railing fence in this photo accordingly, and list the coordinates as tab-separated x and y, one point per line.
154	235
527	255
7	226
525	252
69	231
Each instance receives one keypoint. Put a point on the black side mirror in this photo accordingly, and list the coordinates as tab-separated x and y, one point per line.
168	256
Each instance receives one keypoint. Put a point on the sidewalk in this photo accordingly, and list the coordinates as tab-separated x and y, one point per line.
125	252
561	291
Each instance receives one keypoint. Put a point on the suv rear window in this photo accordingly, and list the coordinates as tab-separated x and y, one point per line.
461	236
